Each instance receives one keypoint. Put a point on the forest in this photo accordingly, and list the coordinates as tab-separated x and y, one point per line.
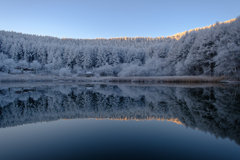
210	51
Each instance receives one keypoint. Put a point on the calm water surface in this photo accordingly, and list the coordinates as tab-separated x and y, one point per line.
63	121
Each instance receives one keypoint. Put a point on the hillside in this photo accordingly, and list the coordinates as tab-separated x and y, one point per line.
210	51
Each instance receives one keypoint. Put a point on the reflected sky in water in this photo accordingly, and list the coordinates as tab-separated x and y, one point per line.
74	122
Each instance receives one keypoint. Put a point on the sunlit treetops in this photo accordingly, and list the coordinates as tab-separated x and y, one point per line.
174	120
176	36
179	35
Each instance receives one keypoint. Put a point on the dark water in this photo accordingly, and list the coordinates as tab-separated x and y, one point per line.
40	121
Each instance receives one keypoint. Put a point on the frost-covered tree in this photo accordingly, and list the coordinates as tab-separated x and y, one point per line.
9	65
101	58
35	65
228	61
22	64
65	71
3	57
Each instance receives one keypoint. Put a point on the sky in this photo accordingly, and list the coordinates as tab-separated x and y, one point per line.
112	18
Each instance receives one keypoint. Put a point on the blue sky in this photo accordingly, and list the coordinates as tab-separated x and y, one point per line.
112	18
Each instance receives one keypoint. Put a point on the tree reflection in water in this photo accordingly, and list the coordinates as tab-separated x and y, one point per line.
211	109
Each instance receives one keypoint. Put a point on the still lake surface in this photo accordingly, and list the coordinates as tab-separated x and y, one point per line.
76	121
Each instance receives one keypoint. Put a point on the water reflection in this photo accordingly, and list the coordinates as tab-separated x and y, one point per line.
210	109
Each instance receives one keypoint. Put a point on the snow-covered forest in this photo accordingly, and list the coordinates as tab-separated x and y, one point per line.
213	50
215	109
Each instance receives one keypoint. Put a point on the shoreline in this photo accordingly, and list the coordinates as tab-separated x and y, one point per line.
160	79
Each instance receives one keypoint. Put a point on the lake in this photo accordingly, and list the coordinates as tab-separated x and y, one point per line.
119	121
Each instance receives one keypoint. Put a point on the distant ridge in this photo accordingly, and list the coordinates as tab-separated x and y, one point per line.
175	36
179	35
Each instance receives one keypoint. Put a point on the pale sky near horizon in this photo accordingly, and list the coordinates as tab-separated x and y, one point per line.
112	18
